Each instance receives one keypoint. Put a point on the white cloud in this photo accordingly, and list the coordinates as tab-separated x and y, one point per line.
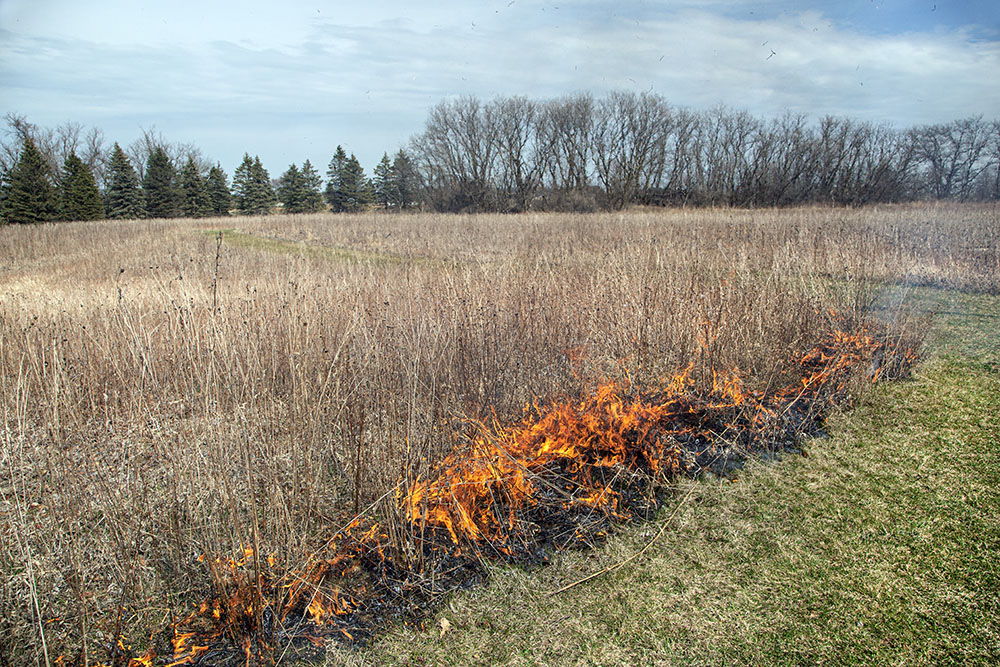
292	82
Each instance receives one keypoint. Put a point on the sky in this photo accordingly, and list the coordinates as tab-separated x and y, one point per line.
291	80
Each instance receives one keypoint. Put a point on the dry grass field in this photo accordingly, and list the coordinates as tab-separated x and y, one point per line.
176	389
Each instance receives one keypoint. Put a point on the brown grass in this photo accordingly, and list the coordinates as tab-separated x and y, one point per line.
143	427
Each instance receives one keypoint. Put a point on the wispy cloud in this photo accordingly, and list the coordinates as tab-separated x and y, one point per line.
366	77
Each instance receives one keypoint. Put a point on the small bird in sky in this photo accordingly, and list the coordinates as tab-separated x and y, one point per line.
773	54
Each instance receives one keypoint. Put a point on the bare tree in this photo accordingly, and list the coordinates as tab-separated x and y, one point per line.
18	130
630	134
952	156
521	153
724	158
636	148
881	160
178	153
677	171
55	144
94	152
831	153
988	187
566	129
783	161
457	154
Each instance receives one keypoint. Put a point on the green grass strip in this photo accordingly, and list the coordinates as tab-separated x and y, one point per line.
238	239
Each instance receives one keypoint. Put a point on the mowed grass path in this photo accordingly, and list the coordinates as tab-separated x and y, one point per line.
881	546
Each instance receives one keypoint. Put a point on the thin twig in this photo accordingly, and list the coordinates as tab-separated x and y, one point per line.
622	563
215	276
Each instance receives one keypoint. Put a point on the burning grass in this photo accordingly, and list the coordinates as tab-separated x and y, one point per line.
876	548
169	403
560	477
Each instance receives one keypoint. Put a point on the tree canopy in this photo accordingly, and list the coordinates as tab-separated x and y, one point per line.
291	190
252	187
312	193
299	189
384	183
195	201
159	186
347	187
122	198
405	186
218	191
79	198
27	193
334	173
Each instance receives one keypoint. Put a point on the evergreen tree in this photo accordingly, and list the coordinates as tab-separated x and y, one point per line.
122	197
195	202
79	198
355	189
291	190
262	192
334	173
406	181
218	191
159	186
313	195
384	183
252	187
28	195
243	184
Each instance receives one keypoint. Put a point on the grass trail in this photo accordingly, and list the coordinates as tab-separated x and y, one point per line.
239	239
881	546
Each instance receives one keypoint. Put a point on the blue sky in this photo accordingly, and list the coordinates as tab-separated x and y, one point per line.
290	80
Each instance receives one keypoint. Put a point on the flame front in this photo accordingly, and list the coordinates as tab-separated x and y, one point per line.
482	492
559	475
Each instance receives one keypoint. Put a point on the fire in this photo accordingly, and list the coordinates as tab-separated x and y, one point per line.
484	493
185	648
477	494
559	476
144	660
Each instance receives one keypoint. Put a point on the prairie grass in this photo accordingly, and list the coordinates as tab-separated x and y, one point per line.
168	393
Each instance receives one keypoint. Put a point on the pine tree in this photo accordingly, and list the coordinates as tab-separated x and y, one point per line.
195	202
79	198
159	186
313	195
334	173
28	195
243	184
406	183
291	190
355	189
122	197
262	192
384	183
218	191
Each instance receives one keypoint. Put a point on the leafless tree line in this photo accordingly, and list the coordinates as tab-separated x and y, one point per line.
55	144
90	145
579	152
